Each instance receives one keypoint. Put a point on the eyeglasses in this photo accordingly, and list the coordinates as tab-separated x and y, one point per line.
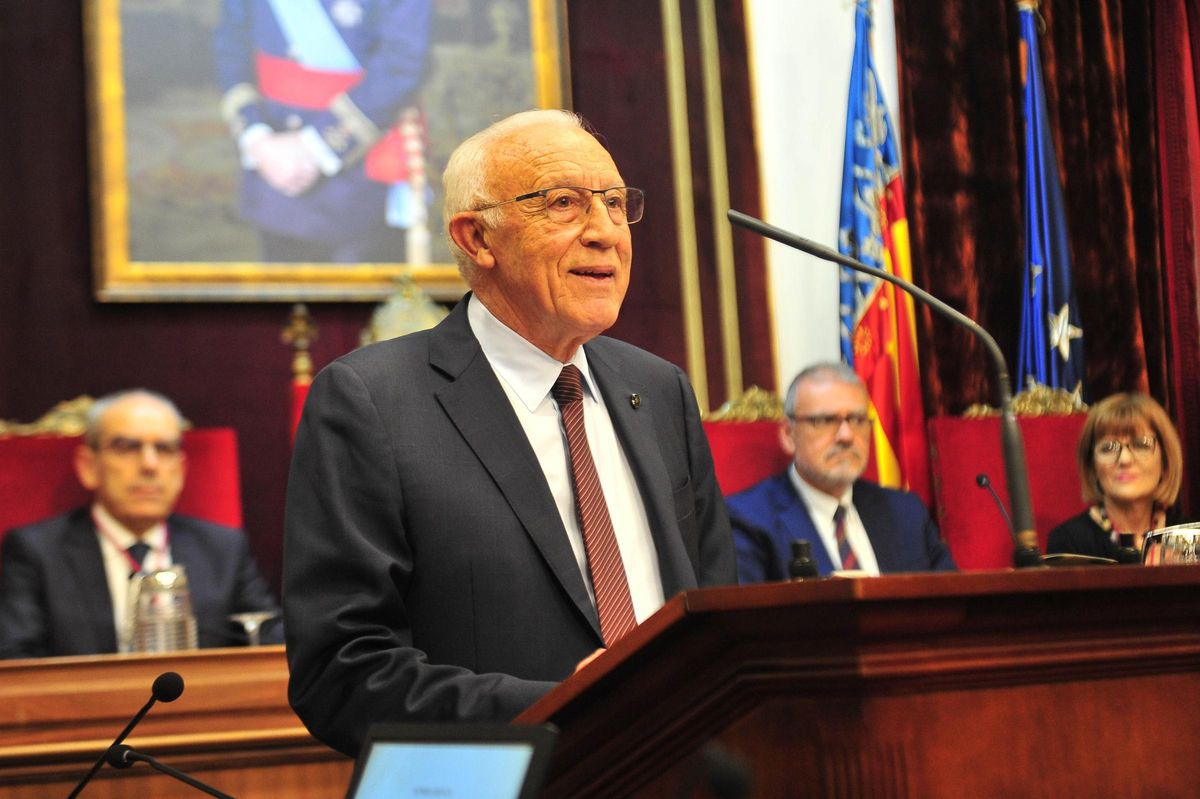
565	204
1141	448
124	447
829	423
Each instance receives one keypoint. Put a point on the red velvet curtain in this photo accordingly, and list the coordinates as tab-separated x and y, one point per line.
962	123
1177	78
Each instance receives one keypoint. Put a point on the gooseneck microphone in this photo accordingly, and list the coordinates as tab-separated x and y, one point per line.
983	481
122	756
1012	445
167	687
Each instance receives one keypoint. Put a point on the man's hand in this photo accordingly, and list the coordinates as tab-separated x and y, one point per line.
285	163
579	666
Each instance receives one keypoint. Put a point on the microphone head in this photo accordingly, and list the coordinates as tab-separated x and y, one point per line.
982	480
117	756
167	687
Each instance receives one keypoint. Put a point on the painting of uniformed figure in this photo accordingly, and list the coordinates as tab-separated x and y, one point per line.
262	133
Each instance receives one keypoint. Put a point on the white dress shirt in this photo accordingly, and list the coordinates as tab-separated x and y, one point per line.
114	540
526	375
821	508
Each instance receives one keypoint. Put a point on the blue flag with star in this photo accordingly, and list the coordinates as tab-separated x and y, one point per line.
1051	351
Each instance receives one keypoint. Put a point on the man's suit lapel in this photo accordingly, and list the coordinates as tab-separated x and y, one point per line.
635	430
792	517
480	410
84	562
872	509
187	550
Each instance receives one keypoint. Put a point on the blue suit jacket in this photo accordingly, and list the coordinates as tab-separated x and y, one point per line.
769	515
54	597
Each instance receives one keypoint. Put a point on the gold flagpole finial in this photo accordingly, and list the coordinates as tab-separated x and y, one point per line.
1035	7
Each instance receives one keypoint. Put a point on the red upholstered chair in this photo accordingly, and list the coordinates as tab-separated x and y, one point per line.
960	449
744	439
37	479
744	453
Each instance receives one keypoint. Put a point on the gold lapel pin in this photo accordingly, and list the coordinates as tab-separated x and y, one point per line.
635	400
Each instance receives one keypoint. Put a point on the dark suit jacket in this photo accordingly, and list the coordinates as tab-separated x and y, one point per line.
54	597
769	515
1080	535
427	574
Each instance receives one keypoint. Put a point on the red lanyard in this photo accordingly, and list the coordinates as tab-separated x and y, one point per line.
134	566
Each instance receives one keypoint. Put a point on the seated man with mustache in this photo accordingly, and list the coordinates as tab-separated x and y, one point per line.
851	524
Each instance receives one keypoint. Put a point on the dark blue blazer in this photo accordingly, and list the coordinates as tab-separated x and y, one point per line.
769	515
54	597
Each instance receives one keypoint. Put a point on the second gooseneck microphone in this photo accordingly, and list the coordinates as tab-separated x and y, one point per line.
1012	445
167	687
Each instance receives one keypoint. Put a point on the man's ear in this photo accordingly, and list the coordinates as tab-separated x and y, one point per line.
785	438
85	467
470	234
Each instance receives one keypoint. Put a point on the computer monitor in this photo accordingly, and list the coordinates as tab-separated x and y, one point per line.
452	761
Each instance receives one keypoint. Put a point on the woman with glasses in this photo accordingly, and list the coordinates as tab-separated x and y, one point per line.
1131	466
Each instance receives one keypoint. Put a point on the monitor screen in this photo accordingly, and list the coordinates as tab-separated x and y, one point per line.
451	761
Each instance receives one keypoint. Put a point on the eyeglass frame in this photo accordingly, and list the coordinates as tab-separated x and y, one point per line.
602	192
1125	445
125	447
857	422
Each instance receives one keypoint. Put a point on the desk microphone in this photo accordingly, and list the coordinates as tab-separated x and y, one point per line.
982	481
1012	445
122	756
167	687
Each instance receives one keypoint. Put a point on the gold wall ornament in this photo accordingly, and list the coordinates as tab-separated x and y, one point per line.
753	405
300	332
408	310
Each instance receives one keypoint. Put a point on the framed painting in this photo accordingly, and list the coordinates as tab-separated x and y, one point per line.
288	150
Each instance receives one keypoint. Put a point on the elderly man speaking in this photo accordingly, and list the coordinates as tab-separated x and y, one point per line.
474	510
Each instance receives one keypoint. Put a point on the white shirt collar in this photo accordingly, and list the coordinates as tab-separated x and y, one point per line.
122	537
527	370
818	502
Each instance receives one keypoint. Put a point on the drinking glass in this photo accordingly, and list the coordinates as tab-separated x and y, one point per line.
251	623
1171	545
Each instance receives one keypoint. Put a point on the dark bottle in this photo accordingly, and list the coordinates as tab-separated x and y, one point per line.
1126	551
802	567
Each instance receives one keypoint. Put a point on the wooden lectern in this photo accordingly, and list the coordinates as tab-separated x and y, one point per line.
1048	682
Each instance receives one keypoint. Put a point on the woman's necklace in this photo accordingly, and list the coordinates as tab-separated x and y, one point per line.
1099	514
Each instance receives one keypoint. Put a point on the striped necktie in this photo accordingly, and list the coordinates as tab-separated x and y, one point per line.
613	602
845	551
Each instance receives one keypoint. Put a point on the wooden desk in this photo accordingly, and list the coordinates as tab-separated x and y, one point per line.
231	728
1046	682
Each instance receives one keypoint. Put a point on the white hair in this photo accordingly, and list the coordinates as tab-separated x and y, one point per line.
94	417
467	180
823	372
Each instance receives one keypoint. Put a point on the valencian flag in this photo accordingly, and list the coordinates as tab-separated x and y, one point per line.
878	323
1051	335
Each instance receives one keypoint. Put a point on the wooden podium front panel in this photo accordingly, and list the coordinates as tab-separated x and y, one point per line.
1117	737
232	727
1054	682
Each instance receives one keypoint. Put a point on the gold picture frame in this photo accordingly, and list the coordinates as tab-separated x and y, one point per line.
165	168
